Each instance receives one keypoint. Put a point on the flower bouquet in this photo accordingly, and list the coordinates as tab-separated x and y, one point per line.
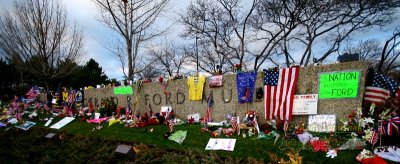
367	157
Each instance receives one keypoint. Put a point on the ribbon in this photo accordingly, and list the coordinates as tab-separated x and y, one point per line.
392	123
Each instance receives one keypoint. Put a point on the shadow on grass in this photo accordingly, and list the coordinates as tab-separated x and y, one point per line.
31	146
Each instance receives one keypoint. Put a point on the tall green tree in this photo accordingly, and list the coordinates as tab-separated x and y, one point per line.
93	73
89	74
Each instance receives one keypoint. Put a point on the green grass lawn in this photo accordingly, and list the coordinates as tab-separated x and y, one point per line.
81	144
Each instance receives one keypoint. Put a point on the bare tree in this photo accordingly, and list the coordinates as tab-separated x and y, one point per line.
222	29
368	50
389	59
37	37
274	22
207	59
331	22
133	21
290	27
149	72
385	58
168	55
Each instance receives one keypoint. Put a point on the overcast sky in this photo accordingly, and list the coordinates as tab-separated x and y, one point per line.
96	34
84	12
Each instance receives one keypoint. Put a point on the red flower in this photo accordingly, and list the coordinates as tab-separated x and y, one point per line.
191	120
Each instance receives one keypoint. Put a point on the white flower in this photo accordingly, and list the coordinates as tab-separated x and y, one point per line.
368	134
369	120
371	110
365	154
353	135
362	123
359	112
345	124
331	153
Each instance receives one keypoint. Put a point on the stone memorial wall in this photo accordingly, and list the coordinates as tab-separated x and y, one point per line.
341	96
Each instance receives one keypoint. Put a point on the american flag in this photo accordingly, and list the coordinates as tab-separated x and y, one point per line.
374	138
18	113
279	87
286	126
255	123
171	125
234	124
127	112
379	88
71	98
381	129
31	94
208	114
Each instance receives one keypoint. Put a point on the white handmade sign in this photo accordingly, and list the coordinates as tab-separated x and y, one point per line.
305	104
26	125
321	123
62	122
221	144
165	110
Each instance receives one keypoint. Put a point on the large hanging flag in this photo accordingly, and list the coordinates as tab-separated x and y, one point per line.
379	88
279	88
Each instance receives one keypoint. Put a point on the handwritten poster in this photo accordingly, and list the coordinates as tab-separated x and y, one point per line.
321	123
62	122
123	90
305	104
334	85
221	144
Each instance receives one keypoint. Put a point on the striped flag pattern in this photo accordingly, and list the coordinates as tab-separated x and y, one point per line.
279	87
392	125
374	138
71	98
18	113
127	112
208	114
381	130
234	124
379	88
171	125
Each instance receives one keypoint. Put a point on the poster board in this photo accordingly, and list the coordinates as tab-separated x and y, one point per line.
221	144
165	110
125	90
321	123
62	123
25	126
338	85
305	104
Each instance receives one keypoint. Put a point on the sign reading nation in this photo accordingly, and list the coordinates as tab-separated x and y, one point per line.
334	85
123	90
